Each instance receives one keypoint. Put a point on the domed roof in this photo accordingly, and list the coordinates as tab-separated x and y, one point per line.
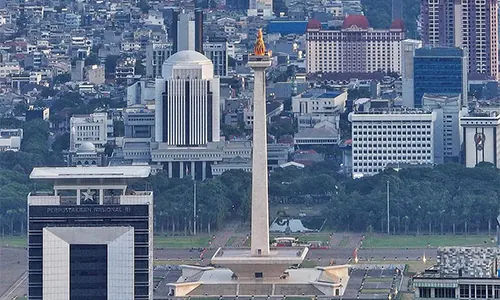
187	57
86	147
313	24
398	24
359	21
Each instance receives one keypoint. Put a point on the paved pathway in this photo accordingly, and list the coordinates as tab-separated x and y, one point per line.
222	237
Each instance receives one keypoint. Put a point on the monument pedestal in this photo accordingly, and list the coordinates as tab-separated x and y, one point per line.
248	267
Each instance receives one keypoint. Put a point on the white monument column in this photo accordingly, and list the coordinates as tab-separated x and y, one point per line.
259	62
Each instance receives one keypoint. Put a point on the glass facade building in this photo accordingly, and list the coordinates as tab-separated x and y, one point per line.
439	71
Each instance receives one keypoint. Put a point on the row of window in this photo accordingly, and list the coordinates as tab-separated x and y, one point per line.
404	151
397	158
473	291
385	159
389	138
393	126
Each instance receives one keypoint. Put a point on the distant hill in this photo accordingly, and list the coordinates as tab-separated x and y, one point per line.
379	14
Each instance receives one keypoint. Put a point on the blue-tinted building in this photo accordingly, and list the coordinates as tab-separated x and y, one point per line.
287	27
439	71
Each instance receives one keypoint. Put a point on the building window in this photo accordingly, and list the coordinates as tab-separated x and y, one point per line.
425	292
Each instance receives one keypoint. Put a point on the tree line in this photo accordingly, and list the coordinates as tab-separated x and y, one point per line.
444	199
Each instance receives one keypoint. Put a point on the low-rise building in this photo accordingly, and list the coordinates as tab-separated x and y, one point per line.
461	273
391	136
10	139
90	128
95	74
322	134
319	102
9	68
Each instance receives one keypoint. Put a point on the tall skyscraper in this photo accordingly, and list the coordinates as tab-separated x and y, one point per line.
187	101
92	236
408	47
198	32
156	54
469	24
187	31
216	50
397	9
439	71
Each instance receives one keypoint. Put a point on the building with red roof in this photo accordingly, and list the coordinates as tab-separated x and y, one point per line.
355	48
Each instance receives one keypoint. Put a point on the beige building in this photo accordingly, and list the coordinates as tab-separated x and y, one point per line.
355	48
96	74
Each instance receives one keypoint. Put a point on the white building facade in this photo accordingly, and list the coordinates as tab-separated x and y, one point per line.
382	137
481	138
187	101
10	139
95	128
449	137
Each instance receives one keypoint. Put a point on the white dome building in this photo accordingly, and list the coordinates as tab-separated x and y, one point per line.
187	101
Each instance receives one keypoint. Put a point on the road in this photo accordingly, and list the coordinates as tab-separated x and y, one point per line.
13	261
13	266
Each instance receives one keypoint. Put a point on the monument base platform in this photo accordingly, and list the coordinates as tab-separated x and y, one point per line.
208	281
272	266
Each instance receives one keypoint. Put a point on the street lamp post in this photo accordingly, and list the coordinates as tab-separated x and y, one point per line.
194	205
388	212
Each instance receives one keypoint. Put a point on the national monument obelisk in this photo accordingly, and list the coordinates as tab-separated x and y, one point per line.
259	62
260	261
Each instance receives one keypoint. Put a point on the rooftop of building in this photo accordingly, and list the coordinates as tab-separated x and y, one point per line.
483	114
320	94
317	132
358	21
394	111
464	262
187	57
90	172
429	51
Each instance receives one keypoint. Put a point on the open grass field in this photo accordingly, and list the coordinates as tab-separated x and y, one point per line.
13	241
423	241
159	241
162	262
181	241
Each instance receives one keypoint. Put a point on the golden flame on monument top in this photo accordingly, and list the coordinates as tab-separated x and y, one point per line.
260	48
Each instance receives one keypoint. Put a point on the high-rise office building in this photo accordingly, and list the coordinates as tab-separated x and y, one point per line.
391	137
472	25
187	101
408	52
187	31
448	135
397	9
156	54
198	32
216	51
439	70
92	236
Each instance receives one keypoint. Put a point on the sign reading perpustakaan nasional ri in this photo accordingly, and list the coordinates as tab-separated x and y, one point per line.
80	210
